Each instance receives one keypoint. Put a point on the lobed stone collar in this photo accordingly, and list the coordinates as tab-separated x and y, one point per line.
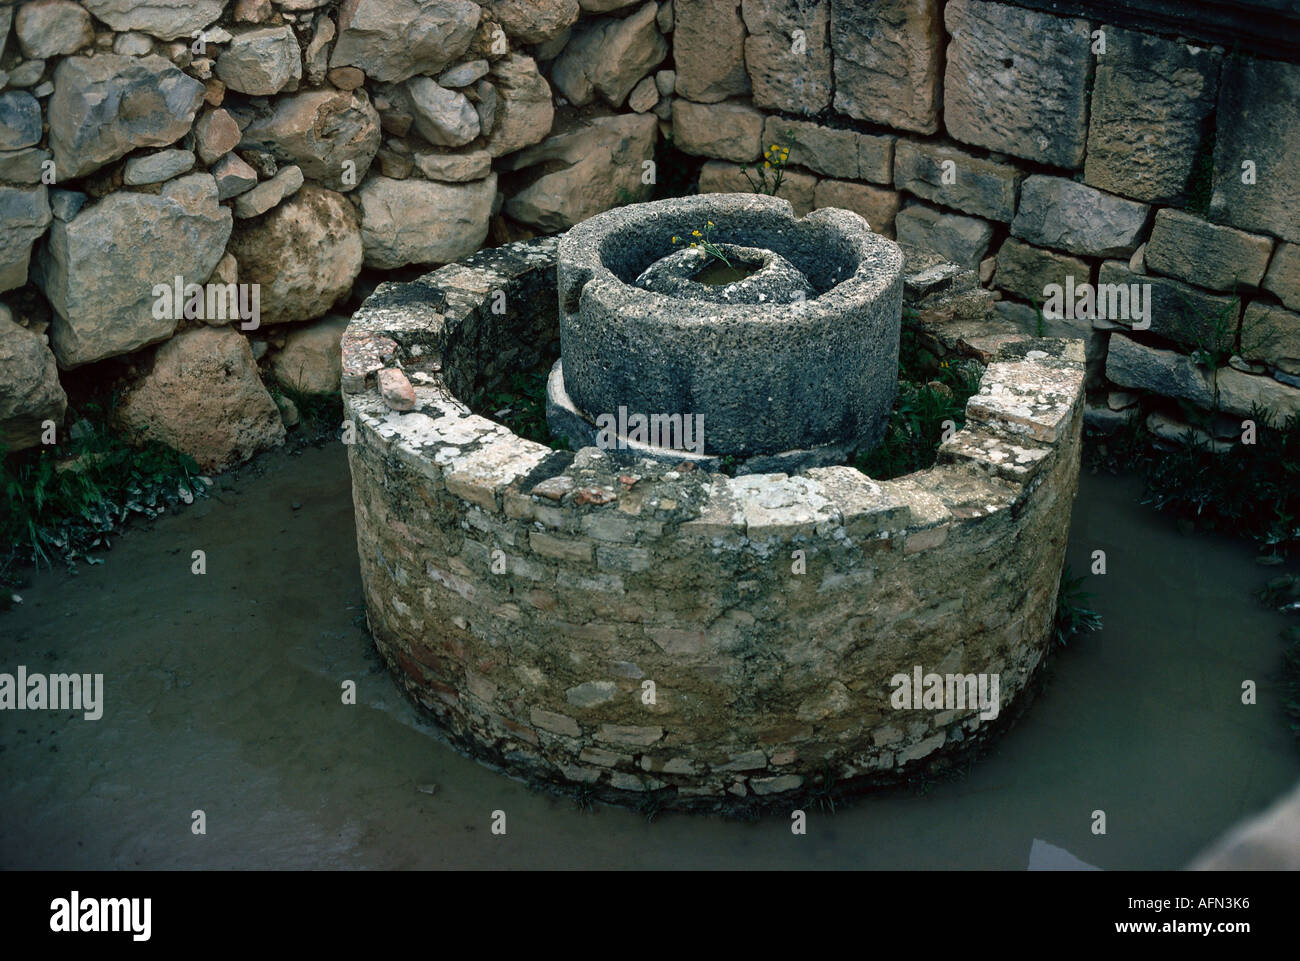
586	249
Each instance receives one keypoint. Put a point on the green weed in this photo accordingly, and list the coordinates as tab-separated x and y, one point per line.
63	501
1073	616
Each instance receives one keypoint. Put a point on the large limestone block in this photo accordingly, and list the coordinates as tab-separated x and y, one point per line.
99	268
609	56
954	178
1258	139
961	240
727	131
164	19
443	117
1017	81
798	187
305	254
20	120
1026	271
1283	277
1180	312
1056	212
588	170
709	50
423	222
876	205
1209	255
24	216
526	109
1271	335
1240	393
1164	372
831	151
787	54
30	392
1151	101
105	106
331	134
391	40
204	398
887	56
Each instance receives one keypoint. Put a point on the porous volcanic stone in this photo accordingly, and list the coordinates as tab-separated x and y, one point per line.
775	281
758	375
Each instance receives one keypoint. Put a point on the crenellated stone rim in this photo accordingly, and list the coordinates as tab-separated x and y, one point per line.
525	596
766	377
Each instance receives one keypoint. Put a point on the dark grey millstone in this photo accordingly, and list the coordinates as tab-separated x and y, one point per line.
776	281
565	420
767	378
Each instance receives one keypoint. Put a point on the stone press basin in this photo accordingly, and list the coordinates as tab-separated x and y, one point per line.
634	629
795	364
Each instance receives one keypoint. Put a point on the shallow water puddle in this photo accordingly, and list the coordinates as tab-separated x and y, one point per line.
222	694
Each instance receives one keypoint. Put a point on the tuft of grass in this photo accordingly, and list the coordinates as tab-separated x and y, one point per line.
520	403
1073	616
650	805
822	793
320	416
65	500
585	798
916	422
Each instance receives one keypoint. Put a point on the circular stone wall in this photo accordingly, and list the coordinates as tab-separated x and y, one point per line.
763	376
714	641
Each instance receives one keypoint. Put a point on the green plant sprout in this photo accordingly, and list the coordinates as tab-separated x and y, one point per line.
775	158
704	241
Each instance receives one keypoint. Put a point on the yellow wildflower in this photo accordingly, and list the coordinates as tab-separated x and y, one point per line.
695	233
767	165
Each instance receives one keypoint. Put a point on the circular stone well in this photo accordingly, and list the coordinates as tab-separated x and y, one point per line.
715	642
800	356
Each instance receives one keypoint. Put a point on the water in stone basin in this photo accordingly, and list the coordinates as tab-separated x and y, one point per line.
717	273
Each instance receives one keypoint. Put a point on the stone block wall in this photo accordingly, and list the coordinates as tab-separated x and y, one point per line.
1039	149
297	145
